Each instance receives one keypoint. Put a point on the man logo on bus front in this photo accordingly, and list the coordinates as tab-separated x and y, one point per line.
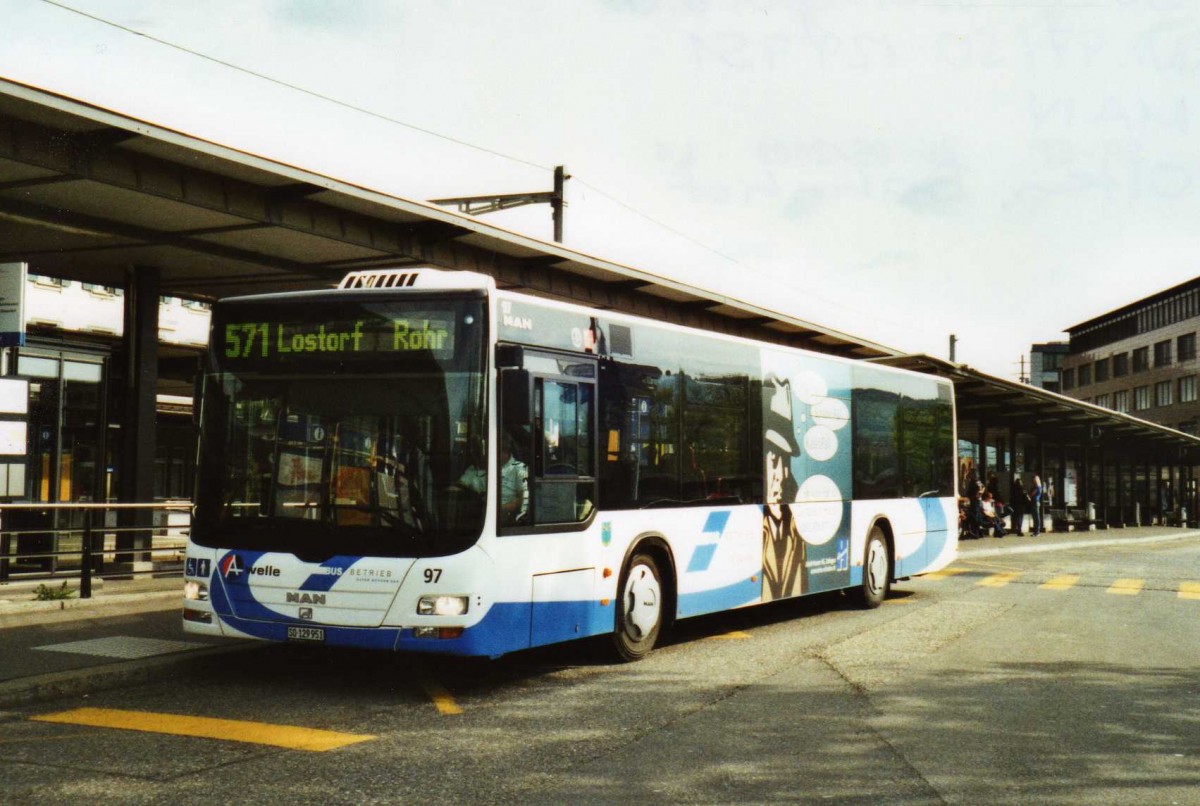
783	547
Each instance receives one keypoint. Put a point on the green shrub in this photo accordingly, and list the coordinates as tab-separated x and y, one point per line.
45	593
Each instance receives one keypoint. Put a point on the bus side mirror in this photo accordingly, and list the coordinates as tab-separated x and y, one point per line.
516	411
509	356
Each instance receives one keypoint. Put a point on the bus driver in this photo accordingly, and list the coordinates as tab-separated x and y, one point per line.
514	483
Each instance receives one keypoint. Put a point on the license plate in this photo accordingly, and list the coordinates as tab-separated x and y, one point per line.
305	634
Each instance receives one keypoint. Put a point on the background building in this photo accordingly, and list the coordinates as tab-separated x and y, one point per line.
73	336
1045	361
1141	358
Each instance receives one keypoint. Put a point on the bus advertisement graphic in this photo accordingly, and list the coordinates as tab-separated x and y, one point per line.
807	457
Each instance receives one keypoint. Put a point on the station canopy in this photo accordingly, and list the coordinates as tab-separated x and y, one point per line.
89	194
997	403
92	195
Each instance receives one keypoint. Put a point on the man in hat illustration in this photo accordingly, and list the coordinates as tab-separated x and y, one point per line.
783	548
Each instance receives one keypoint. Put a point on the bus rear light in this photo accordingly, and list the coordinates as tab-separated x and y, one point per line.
442	605
198	616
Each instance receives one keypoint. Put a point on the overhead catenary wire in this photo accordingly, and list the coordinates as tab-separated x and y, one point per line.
774	279
393	120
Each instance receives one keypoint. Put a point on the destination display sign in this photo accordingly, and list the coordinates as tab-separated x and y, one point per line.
427	332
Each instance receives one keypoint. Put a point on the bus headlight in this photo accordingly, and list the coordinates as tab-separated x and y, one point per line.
442	605
195	591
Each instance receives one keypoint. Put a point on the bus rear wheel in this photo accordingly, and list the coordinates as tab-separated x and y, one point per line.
877	570
639	608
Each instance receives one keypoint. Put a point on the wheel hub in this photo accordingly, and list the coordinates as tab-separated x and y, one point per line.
643	599
876	567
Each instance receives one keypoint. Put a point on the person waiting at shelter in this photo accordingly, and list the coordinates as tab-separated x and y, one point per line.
990	515
971	507
1003	511
993	485
970	485
1020	505
1035	499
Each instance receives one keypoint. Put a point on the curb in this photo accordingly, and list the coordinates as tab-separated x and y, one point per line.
1074	544
76	682
27	614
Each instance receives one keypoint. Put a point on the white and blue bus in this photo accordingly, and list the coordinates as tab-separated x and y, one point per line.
417	461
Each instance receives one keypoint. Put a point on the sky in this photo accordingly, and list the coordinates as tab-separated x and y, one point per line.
898	171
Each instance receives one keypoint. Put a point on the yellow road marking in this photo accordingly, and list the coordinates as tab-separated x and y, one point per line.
946	572
729	636
230	730
442	700
1126	587
997	580
1060	583
1189	590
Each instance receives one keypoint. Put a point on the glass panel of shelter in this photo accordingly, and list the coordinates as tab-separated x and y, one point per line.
65	433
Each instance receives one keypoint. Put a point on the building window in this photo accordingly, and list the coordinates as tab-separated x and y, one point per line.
1104	400
1162	353
1162	393
1121	401
1187	389
1102	370
1141	398
1068	379
1120	365
1141	359
1085	374
1185	347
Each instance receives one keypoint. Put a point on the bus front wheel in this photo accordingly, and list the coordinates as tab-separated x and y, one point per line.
877	570
639	608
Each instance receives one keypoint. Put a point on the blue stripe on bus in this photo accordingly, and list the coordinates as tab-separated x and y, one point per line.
716	522
937	533
739	594
505	628
702	557
326	581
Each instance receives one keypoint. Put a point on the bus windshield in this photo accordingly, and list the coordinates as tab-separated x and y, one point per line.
339	427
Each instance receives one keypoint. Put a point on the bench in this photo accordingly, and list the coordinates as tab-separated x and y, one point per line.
1063	520
1082	521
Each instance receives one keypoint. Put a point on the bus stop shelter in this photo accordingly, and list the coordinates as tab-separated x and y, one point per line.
92	195
1108	469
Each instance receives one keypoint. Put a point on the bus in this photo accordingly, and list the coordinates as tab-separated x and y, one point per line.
419	461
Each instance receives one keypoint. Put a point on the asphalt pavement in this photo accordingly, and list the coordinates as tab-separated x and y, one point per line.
130	632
